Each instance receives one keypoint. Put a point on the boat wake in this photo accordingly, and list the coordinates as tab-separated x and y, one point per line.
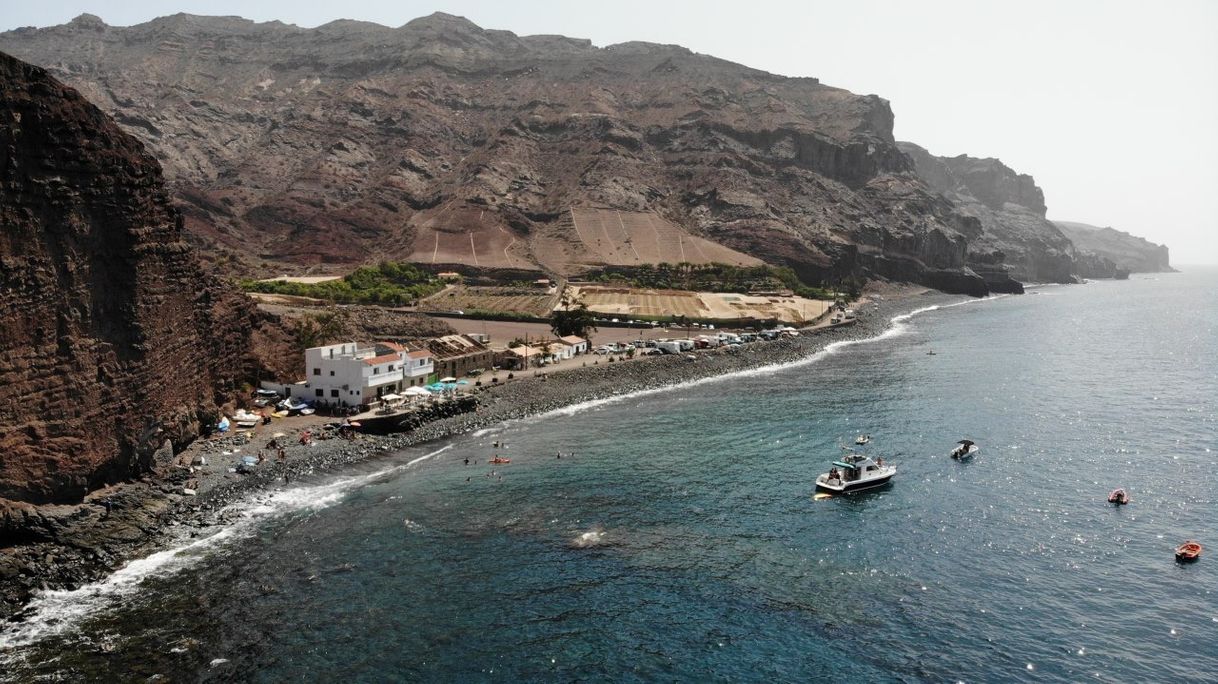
57	612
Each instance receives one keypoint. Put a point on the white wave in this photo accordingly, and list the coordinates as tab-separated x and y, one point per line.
899	327
593	537
59	611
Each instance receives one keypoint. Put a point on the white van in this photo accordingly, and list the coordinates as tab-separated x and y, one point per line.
669	346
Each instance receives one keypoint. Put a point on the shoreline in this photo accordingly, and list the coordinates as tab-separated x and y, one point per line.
85	543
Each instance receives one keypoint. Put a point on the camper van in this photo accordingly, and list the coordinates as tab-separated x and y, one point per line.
669	346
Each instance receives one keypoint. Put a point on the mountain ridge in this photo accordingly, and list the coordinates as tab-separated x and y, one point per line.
302	148
437	122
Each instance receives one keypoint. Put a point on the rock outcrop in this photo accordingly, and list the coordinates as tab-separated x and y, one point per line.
1011	211
439	141
1124	253
114	344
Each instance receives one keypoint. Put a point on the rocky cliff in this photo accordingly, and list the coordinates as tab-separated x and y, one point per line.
1127	253
440	142
113	341
1011	211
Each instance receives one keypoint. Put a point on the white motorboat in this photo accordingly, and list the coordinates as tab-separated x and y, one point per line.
862	439
855	472
965	451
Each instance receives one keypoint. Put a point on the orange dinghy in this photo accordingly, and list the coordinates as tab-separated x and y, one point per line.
497	460
1188	551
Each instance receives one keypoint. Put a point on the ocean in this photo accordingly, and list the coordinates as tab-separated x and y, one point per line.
678	538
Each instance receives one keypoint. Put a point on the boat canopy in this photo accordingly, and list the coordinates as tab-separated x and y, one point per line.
848	466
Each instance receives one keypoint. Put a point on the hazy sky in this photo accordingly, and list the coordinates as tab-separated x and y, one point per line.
1112	106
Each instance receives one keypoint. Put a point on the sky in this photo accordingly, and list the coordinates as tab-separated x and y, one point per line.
1111	105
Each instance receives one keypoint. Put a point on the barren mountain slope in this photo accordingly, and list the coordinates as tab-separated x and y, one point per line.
1127	252
1011	209
353	142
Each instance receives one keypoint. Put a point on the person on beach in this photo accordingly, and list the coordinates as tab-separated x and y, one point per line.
467	461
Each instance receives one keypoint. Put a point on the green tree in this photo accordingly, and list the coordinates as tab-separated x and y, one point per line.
572	318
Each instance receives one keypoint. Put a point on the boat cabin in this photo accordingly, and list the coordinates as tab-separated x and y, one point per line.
853	466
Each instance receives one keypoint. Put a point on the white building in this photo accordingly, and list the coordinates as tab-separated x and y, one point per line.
351	374
576	345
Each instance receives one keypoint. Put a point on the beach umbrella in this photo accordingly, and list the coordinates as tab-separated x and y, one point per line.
449	379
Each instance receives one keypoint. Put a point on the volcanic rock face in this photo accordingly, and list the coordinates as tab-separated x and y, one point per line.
1011	211
1124	251
112	340
442	141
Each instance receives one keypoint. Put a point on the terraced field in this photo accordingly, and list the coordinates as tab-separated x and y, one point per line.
631	302
470	299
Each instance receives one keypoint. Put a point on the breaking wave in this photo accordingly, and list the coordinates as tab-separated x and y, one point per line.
59	611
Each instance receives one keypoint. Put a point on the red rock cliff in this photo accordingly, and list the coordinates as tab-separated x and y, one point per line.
112	339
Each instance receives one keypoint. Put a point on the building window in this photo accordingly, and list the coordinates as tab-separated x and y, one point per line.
391	366
320	393
316	371
334	393
331	373
375	370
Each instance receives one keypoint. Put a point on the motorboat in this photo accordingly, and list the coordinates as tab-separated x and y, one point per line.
862	439
499	460
1188	552
1118	496
965	451
855	472
293	406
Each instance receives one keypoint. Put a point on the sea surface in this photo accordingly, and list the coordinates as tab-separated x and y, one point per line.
679	539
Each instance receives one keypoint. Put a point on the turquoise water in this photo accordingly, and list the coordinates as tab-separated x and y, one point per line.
681	540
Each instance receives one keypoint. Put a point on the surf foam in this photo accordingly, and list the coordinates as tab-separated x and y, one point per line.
899	327
57	612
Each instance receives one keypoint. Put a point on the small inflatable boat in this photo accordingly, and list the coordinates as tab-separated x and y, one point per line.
1188	552
1118	496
